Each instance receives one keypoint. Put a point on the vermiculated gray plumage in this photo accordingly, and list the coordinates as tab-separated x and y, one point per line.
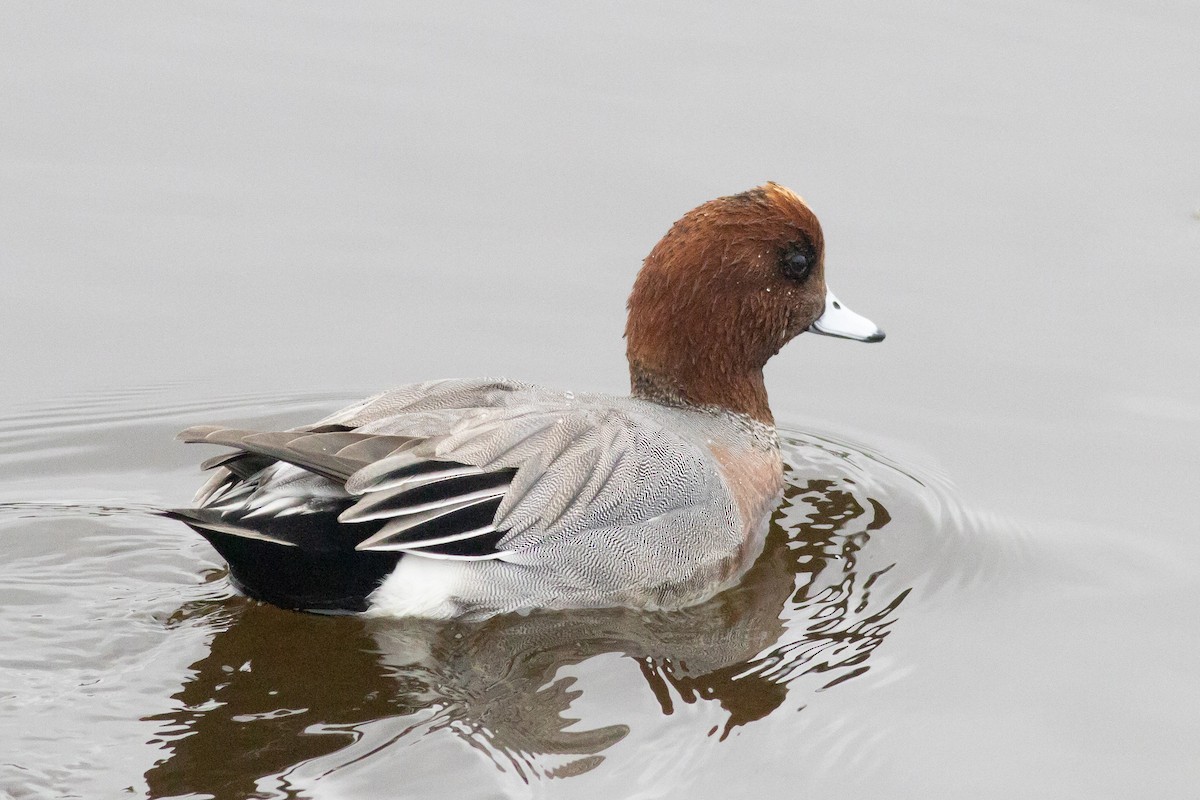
543	499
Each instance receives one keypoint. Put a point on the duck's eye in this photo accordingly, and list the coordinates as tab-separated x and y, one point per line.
796	262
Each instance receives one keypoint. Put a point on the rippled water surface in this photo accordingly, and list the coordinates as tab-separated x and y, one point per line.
982	581
134	666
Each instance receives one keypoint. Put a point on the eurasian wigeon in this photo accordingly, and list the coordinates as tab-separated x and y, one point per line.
477	497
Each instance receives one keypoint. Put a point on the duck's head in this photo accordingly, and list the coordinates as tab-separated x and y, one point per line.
730	284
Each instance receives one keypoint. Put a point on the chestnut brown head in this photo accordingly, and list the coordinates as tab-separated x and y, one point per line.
730	284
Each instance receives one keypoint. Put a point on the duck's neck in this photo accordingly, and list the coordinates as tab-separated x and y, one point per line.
698	385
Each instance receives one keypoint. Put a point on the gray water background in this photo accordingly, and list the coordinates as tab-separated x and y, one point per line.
216	200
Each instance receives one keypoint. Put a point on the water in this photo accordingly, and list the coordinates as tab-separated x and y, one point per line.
126	621
982	582
134	669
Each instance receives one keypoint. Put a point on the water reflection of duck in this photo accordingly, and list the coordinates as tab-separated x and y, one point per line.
807	616
470	498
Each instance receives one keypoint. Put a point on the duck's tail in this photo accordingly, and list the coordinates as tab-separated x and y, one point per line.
316	519
311	564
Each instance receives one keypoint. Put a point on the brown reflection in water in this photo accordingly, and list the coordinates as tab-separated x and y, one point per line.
268	677
280	688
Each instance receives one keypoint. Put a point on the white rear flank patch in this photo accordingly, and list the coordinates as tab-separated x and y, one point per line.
419	587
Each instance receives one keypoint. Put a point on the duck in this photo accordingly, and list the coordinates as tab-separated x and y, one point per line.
469	498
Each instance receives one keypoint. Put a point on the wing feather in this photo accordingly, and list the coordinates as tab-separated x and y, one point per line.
469	469
427	495
435	527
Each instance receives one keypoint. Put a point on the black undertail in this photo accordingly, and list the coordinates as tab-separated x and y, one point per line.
317	570
332	554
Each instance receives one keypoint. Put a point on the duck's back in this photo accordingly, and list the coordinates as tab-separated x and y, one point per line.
487	496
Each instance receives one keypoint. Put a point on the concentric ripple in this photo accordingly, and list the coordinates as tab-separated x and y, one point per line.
120	628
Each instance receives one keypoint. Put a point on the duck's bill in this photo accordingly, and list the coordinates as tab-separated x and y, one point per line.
837	320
